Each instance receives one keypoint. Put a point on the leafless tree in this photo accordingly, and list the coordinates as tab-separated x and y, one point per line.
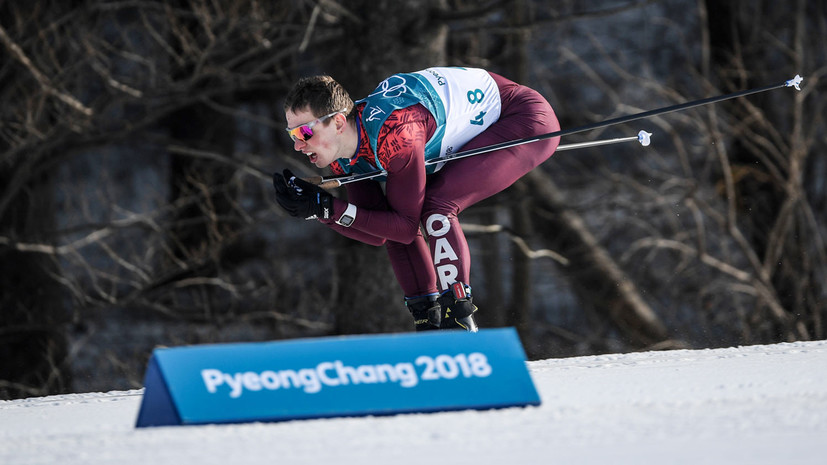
720	228
96	94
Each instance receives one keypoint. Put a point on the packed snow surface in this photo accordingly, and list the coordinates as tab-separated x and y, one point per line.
750	405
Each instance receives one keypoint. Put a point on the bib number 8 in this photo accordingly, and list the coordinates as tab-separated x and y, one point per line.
475	96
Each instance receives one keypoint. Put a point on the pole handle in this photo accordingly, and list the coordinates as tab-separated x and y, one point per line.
330	184
320	181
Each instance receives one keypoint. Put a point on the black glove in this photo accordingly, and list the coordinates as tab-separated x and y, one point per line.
300	198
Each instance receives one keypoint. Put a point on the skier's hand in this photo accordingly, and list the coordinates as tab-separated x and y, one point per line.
300	198
285	196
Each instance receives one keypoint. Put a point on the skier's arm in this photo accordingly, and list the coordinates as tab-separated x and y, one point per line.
368	195
401	148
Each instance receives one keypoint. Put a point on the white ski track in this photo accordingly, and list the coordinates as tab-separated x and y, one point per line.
750	405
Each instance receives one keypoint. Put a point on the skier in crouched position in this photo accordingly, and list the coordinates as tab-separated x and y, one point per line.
408	119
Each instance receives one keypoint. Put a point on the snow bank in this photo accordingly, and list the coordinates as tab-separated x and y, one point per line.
751	405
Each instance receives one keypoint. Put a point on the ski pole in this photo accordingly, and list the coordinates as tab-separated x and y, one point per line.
643	137
332	182
794	82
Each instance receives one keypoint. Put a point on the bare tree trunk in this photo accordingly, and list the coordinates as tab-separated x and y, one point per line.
33	319
519	315
517	65
494	310
370	299
207	221
205	187
596	277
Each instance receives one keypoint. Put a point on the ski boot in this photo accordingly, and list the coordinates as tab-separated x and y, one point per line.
426	311
457	308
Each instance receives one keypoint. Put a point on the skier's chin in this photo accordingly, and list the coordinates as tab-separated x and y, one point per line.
318	161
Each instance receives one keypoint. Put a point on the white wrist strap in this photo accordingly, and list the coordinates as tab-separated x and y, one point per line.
349	212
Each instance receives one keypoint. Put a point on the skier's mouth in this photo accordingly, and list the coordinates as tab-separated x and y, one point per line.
312	157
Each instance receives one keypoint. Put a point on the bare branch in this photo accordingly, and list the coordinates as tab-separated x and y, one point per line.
41	78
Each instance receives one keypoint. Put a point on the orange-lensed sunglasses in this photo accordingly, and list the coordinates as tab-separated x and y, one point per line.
305	131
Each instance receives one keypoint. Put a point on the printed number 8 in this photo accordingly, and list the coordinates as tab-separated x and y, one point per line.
475	96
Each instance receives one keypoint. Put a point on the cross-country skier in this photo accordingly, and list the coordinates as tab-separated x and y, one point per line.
408	119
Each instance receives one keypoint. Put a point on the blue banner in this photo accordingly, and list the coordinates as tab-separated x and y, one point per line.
336	376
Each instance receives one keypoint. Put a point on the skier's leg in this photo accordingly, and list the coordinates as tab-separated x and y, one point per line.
412	266
414	271
464	182
411	263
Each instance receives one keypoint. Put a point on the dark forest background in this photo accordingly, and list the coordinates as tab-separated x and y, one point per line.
137	140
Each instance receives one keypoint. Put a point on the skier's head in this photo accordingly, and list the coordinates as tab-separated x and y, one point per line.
317	110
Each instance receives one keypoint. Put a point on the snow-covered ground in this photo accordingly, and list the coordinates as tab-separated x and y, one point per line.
750	405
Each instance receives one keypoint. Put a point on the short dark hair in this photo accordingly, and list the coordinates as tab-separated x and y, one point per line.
322	94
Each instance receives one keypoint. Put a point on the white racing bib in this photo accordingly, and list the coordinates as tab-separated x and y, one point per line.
463	101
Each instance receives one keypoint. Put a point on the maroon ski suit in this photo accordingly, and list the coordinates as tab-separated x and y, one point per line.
412	199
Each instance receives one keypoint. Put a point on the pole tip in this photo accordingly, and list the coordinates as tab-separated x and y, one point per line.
644	138
795	82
